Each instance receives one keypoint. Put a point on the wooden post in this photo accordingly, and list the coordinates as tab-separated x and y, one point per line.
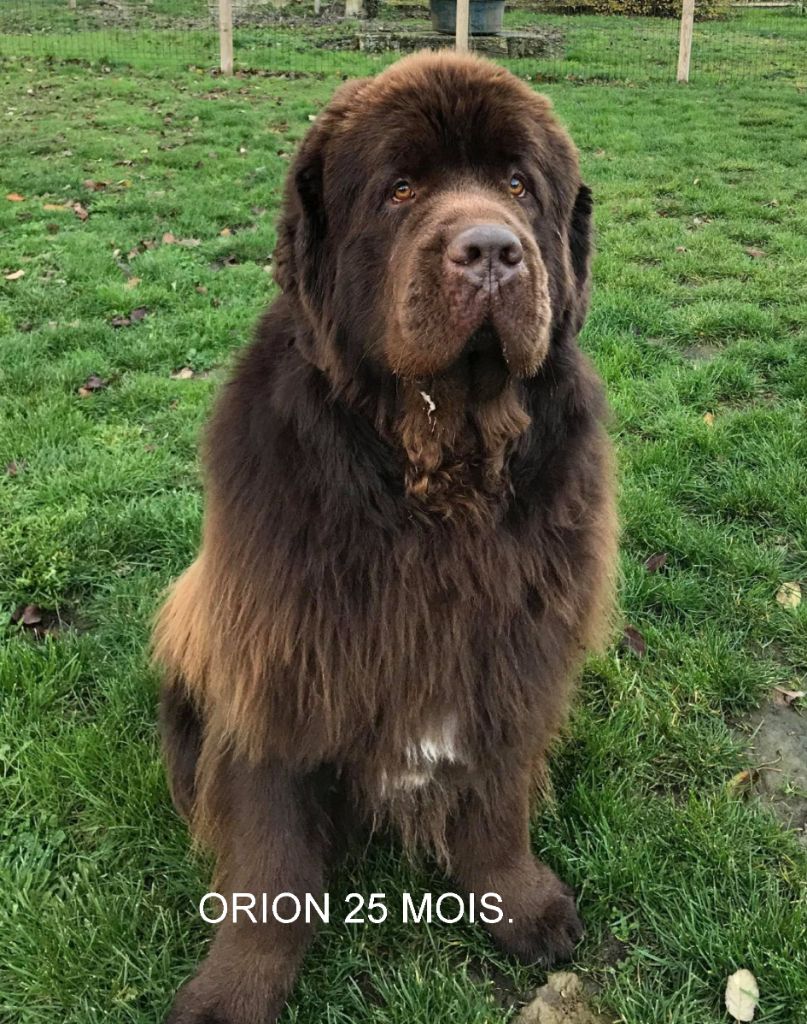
71	4
354	8
463	20
317	7
685	39
226	36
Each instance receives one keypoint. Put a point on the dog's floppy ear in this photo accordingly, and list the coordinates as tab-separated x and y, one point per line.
580	234
580	251
303	225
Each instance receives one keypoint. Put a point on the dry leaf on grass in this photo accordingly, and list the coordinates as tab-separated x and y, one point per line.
27	615
632	640
739	783
95	186
190	243
13	468
754	253
80	211
789	595
92	384
184	374
54	207
15	197
133	282
742	995
14	275
656	562
709	419
134	317
787	698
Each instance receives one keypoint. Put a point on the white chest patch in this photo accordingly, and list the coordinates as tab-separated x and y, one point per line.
439	744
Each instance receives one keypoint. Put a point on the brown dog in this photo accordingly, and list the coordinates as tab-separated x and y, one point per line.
410	535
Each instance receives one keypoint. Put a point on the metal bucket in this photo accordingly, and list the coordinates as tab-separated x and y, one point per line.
485	16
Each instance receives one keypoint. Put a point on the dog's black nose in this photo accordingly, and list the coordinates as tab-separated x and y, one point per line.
486	253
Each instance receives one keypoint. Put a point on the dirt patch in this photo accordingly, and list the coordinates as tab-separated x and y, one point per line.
777	743
565	999
700	353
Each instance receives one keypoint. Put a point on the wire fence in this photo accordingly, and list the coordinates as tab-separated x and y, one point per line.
277	37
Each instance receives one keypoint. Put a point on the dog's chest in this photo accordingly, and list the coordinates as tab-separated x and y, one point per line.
436	746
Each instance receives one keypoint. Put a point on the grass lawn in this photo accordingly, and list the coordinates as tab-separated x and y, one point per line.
699	308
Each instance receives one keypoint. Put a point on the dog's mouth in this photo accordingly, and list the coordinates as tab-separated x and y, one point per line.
482	363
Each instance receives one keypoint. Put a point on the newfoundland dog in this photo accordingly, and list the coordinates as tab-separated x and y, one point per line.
409	537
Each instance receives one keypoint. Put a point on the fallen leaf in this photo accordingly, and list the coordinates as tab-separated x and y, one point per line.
633	640
739	782
14	468
680	248
28	615
225	232
15	275
191	243
52	207
773	203
168	239
201	289
95	186
80	211
92	384
786	698
120	321
138	314
656	562
133	282
755	254
709	419
789	595
742	995
184	374
15	197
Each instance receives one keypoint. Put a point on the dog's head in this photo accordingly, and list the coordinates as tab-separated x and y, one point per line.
434	218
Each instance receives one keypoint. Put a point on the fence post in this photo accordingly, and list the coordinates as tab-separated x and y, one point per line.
354	8
226	36
685	39
463	19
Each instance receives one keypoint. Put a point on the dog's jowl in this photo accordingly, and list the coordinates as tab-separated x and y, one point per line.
409	535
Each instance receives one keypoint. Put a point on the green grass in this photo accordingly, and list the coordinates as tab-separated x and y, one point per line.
760	44
674	868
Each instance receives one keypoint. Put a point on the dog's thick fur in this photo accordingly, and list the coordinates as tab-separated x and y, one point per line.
409	536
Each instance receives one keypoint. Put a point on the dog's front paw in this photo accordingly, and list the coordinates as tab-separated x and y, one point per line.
200	1002
193	1005
542	930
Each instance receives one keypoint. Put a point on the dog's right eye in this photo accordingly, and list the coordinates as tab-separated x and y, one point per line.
402	192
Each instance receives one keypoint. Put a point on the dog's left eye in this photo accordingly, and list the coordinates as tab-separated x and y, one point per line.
517	186
402	192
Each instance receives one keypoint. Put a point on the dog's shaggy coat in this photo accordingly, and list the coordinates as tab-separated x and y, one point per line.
409	536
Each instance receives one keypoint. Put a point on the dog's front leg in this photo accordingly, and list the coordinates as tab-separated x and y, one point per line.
490	852
273	831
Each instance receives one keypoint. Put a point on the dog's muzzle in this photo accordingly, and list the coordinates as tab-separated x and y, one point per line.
483	257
